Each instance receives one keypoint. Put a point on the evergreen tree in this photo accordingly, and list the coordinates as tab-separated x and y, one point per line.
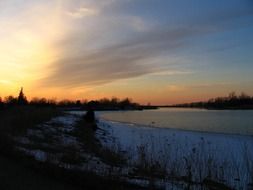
22	98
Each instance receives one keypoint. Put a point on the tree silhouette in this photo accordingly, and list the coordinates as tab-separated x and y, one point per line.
232	101
1	104
22	98
10	100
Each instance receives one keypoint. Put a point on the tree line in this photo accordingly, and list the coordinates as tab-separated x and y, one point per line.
101	104
232	101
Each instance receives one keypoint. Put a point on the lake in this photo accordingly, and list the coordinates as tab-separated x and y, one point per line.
218	121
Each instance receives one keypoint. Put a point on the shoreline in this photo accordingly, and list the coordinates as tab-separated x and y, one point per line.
225	156
132	124
136	126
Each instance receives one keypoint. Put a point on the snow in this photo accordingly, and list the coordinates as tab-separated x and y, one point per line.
227	157
50	135
50	140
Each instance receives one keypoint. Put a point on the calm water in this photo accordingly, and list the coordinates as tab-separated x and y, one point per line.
220	121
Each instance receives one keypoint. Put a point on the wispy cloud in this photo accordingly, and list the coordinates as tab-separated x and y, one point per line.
124	59
172	72
82	12
127	59
6	82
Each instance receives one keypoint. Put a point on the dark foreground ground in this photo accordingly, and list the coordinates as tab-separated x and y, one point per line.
19	171
15	176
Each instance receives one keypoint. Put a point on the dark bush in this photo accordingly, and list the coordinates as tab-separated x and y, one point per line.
90	116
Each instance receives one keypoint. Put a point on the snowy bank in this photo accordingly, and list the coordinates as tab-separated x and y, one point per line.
197	156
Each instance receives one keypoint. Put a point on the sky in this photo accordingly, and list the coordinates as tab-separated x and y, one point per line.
152	51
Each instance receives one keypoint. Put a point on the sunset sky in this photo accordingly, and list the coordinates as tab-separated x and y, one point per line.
157	51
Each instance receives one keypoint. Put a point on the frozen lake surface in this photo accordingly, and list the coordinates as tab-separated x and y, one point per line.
219	121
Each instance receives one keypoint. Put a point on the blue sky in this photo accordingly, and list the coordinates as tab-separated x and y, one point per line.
173	50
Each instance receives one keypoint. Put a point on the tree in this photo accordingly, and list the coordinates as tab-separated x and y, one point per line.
10	100
232	96
125	103
1	104
22	98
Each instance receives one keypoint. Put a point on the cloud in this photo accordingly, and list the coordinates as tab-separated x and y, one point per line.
103	49
172	72
6	82
127	59
82	12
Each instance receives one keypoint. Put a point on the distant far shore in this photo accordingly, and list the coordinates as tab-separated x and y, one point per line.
231	102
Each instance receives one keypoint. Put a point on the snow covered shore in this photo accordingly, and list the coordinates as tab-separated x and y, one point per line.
168	158
227	159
